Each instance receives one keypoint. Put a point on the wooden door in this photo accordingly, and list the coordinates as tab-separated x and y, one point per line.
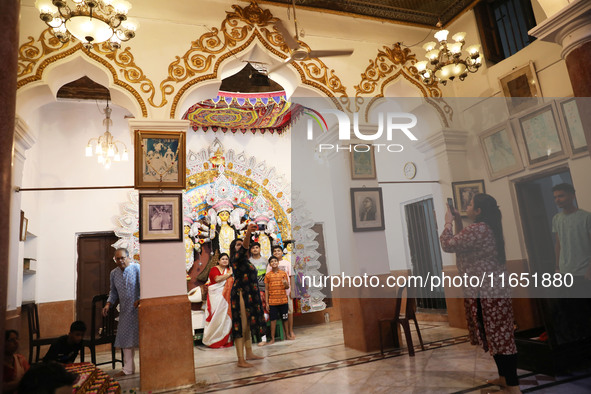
95	262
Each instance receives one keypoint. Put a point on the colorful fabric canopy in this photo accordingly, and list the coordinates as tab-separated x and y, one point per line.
242	112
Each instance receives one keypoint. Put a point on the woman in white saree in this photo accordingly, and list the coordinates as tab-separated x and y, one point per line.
218	316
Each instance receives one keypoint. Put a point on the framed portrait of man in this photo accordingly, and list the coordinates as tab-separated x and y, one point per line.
367	209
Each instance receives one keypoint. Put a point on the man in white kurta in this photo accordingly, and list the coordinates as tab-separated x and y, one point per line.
125	288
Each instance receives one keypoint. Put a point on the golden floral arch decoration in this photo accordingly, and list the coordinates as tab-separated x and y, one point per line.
200	63
35	56
389	65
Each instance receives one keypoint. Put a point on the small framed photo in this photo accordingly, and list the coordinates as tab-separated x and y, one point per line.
161	217
367	209
571	119
24	226
363	162
521	88
463	193
500	151
160	159
541	136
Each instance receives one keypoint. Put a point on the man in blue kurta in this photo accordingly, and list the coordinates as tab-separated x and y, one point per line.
125	288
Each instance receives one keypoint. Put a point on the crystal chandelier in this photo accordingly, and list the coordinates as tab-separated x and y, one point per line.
445	59
90	21
107	149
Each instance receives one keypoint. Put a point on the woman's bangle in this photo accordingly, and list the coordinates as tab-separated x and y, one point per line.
449	223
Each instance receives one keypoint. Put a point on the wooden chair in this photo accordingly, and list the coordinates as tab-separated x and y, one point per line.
403	320
35	340
102	331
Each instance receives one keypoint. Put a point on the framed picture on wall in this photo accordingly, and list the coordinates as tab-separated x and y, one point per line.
367	209
463	193
541	136
521	88
159	159
161	217
363	162
24	226
500	151
571	119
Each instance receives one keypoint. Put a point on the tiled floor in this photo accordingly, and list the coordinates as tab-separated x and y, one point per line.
318	361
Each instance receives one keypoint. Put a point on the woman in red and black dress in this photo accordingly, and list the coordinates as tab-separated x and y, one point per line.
480	251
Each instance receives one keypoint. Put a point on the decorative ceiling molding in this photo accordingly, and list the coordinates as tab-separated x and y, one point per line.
202	62
424	13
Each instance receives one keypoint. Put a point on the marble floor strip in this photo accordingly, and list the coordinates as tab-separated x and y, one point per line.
318	361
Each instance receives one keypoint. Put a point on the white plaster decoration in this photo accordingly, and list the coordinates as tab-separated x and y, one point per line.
305	257
570	27
443	141
128	225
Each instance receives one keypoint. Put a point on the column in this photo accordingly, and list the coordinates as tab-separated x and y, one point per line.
570	27
9	15
23	140
445	153
166	334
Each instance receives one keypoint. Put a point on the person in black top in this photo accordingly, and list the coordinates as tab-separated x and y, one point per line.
246	306
66	348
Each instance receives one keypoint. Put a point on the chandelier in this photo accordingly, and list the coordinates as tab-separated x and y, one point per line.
107	149
445	59
90	21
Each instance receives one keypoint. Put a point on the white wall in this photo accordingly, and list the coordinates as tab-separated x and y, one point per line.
58	160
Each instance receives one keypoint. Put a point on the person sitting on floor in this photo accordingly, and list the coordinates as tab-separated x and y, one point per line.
66	348
15	365
47	378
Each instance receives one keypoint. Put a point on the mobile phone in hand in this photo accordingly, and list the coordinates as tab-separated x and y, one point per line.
450	203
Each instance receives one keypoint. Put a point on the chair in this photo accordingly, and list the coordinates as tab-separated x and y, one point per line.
403	320
35	339
102	332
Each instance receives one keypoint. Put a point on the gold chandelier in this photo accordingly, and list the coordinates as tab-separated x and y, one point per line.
90	21
445	59
105	147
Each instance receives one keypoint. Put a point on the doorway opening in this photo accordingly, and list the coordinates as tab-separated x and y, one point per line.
95	262
537	208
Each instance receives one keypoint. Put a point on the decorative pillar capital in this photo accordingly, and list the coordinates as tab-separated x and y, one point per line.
570	27
23	140
444	141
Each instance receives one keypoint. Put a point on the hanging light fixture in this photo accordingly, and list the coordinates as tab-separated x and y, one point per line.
104	147
445	60
90	21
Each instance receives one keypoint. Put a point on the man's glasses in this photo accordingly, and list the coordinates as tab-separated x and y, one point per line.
115	259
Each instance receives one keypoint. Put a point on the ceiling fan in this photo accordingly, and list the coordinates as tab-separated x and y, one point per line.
298	52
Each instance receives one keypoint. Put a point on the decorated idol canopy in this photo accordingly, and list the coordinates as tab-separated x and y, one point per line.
242	112
225	191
